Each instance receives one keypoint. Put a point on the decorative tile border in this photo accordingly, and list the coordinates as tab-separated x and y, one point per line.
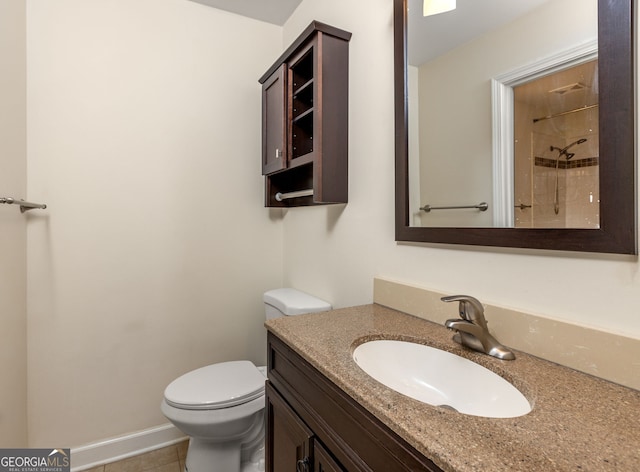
565	164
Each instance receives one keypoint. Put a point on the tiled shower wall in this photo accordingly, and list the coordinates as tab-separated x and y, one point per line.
578	178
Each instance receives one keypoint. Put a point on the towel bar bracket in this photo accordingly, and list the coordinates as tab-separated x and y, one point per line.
24	206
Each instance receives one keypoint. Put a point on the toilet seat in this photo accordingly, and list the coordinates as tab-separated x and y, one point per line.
216	386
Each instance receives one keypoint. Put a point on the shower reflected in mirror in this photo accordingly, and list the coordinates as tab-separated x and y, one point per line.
556	158
567	155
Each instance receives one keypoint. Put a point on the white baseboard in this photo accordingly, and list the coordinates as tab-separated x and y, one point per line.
121	447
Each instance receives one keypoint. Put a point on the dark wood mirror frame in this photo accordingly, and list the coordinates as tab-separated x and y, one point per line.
617	232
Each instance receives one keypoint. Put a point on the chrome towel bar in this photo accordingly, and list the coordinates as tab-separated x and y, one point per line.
300	193
480	206
24	206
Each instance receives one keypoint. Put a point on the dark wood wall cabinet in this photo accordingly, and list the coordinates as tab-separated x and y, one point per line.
314	426
305	96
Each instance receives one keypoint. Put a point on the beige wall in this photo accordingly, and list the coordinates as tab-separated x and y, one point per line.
455	104
144	132
13	258
151	260
335	252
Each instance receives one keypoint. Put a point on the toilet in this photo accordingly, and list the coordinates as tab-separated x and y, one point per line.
221	406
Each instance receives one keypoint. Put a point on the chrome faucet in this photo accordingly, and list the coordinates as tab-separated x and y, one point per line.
471	328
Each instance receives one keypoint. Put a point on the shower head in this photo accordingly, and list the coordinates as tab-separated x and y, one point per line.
563	151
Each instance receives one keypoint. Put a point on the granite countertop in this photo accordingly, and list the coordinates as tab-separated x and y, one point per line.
578	422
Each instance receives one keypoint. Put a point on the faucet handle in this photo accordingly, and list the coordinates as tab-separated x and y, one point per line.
470	308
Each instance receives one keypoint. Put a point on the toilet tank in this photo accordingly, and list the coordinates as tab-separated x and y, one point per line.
288	301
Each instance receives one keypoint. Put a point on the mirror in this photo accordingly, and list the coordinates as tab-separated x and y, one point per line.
485	141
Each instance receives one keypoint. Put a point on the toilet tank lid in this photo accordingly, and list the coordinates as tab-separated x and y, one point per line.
294	302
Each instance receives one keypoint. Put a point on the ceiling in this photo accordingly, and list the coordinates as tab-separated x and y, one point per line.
270	11
431	36
439	33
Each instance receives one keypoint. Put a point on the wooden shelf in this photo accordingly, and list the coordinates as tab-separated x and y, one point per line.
305	142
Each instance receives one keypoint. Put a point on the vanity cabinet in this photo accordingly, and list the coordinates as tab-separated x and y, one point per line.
305	120
291	443
313	425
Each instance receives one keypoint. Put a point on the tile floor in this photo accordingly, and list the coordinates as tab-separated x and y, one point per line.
167	459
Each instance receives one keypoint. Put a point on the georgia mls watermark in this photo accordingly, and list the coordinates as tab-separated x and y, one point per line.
35	460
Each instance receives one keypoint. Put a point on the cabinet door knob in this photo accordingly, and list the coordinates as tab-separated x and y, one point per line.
302	465
278	153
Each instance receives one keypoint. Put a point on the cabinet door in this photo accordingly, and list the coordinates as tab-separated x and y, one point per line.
274	114
288	447
323	461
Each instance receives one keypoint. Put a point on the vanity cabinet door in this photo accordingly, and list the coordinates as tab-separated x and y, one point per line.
291	445
288	438
323	461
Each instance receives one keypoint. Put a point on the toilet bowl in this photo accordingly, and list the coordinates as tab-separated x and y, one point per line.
221	406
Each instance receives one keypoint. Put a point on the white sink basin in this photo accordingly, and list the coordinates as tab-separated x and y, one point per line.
440	378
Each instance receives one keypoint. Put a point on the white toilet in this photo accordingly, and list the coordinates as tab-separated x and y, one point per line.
221	406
